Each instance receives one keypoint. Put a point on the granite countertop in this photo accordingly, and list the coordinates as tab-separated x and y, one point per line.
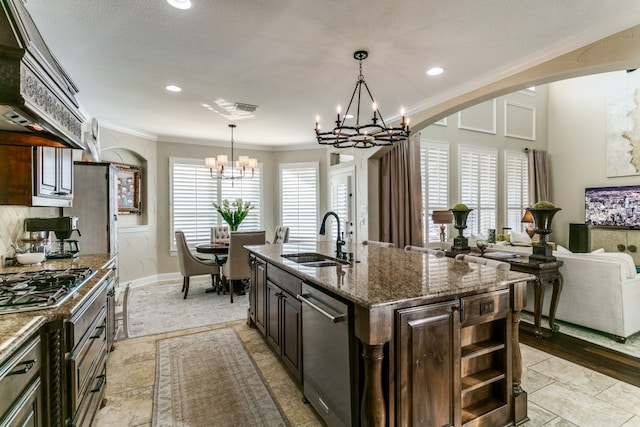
384	276
16	328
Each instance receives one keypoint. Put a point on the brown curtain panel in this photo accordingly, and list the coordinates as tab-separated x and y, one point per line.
401	195
538	176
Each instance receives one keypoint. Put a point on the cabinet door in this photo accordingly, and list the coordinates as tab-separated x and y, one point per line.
428	362
292	333
30	412
260	296
273	315
633	245
47	178
65	174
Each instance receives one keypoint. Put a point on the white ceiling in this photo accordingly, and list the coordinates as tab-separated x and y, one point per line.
294	58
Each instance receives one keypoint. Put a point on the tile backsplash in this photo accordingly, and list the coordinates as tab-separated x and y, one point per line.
12	224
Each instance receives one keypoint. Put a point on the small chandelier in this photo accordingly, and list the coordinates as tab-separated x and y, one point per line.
376	133
220	162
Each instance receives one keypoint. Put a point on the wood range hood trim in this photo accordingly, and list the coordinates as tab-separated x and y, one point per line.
33	84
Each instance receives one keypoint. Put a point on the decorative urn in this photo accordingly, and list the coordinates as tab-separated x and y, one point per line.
460	243
542	213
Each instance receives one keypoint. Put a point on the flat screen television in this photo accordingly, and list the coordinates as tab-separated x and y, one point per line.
613	206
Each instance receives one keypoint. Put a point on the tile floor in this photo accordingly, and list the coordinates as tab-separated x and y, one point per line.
561	394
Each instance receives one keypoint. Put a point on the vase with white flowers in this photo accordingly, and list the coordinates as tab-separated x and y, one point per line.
233	212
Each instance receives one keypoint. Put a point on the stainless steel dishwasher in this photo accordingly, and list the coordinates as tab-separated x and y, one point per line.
325	355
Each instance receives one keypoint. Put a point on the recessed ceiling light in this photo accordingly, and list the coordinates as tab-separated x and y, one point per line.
180	4
435	71
173	88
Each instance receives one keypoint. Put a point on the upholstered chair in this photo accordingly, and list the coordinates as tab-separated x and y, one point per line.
437	252
281	234
237	267
377	243
219	233
190	265
122	312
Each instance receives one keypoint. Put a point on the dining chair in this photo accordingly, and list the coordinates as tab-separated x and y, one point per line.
437	252
377	243
281	234
219	233
190	265
500	265
237	267
122	311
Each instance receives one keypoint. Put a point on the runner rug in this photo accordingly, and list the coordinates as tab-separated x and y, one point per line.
208	379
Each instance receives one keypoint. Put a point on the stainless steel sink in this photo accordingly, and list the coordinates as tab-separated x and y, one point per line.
314	260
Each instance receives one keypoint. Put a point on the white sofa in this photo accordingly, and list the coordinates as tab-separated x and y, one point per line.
601	291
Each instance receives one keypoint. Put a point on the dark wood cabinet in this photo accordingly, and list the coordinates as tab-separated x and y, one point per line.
21	390
36	176
284	327
257	294
428	354
283	315
453	364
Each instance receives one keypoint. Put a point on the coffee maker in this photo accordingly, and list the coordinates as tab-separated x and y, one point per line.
62	227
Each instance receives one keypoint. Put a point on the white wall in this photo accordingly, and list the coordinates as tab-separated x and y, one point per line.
577	144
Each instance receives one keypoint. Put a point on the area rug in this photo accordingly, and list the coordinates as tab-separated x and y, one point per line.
158	308
209	379
630	347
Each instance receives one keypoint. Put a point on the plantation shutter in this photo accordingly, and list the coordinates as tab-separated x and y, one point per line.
299	200
249	190
192	194
434	161
516	167
478	187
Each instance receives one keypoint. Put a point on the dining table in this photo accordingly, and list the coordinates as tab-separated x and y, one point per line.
220	250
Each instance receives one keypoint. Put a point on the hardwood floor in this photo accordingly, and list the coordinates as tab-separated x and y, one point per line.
600	359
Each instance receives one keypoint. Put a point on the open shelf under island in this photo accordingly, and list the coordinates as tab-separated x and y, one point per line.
431	341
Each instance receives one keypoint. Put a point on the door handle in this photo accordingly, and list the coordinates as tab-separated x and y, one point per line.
335	319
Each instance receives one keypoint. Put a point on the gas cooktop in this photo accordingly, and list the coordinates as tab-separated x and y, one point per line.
37	290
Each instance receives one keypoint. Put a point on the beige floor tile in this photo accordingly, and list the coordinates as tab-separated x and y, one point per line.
533	380
579	378
531	356
538	416
633	422
624	396
579	408
130	408
560	422
131	377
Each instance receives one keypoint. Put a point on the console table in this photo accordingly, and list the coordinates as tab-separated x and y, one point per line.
546	272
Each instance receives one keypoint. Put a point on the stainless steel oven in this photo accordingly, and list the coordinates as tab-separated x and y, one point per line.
325	356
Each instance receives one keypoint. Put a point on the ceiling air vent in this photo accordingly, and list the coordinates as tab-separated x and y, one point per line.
245	107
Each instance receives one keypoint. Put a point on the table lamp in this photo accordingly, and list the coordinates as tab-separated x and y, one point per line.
442	218
527	218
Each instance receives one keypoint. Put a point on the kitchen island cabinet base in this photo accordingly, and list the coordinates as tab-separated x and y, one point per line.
442	359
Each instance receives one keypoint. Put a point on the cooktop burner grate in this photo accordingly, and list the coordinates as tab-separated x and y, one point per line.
39	289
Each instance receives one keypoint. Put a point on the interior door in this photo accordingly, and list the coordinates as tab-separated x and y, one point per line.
342	202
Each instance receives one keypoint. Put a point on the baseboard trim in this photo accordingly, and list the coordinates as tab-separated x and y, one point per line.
161	278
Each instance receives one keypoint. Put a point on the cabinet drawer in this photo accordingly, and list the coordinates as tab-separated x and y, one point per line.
286	281
18	372
85	360
484	307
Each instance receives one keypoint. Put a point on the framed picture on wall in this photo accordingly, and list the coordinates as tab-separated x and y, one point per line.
129	185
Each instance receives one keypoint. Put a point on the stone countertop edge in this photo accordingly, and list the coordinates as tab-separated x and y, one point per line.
16	328
389	276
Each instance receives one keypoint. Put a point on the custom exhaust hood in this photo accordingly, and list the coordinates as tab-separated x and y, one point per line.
37	97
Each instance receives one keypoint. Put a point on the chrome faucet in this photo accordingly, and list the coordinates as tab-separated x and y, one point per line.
339	239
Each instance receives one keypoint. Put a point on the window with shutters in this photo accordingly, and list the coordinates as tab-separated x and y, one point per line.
193	192
478	168
517	182
434	165
299	199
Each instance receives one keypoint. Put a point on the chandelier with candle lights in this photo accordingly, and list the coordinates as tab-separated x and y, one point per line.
376	133
220	163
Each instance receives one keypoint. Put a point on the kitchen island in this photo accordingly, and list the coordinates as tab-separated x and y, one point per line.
435	339
52	360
